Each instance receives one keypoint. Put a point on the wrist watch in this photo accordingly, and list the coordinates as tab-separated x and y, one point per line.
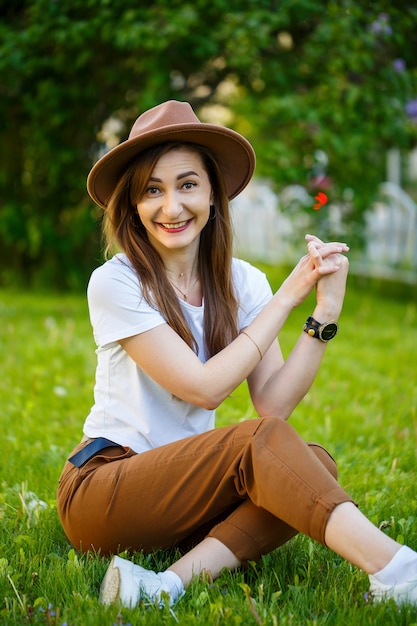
324	332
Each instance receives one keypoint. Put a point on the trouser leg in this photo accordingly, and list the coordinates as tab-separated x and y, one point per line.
160	498
250	531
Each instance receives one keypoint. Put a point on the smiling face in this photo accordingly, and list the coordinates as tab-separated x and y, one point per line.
175	206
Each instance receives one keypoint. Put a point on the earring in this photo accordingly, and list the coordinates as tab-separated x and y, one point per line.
212	212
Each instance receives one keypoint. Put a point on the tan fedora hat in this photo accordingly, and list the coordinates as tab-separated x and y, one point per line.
174	121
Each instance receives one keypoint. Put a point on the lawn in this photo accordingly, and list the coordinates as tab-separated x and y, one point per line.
362	407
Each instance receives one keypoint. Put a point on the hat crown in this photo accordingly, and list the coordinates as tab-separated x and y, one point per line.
174	121
170	113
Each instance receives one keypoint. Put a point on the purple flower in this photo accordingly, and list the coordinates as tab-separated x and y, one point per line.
398	65
411	109
381	25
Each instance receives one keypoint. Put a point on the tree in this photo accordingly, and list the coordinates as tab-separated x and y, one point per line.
294	76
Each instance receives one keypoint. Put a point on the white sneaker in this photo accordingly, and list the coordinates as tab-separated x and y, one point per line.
128	583
402	594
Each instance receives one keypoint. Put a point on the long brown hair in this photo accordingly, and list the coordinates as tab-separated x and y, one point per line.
122	228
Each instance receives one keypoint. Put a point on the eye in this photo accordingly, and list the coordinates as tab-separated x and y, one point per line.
189	185
152	191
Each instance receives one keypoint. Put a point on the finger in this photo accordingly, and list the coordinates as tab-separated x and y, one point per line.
324	270
314	252
309	237
323	264
319	253
327	249
317	259
312	238
332	246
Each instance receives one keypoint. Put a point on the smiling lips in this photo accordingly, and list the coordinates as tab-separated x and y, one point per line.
178	226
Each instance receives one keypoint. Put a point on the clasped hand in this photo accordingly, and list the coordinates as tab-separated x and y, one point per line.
325	267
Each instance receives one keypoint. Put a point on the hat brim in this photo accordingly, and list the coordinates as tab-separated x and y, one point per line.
233	153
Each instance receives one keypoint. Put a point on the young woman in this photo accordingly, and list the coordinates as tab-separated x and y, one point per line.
179	324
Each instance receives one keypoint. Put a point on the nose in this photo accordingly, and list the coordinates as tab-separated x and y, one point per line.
172	207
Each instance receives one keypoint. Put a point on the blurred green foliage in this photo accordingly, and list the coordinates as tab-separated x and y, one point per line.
295	76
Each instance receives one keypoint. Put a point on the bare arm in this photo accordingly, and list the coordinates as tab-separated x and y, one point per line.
277	387
163	355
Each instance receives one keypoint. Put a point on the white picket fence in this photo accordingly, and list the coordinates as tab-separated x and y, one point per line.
265	231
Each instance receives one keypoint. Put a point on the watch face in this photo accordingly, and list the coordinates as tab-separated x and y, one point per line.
328	331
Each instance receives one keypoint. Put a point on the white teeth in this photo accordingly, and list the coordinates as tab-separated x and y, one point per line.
174	226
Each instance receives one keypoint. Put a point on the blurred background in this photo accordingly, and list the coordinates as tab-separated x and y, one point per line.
325	90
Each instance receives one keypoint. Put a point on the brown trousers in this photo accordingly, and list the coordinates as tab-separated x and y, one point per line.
252	485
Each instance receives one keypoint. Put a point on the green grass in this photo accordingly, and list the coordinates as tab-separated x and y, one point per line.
362	407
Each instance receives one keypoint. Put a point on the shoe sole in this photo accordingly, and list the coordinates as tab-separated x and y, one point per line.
110	587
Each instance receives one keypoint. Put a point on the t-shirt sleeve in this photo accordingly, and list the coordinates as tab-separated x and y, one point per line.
253	291
116	304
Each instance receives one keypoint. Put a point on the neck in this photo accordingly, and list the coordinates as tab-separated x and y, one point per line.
183	269
185	281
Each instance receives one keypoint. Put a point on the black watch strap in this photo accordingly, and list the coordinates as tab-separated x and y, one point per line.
325	332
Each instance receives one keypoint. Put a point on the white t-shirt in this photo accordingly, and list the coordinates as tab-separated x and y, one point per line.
130	408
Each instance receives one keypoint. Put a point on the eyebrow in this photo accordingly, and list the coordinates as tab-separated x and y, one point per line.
179	177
